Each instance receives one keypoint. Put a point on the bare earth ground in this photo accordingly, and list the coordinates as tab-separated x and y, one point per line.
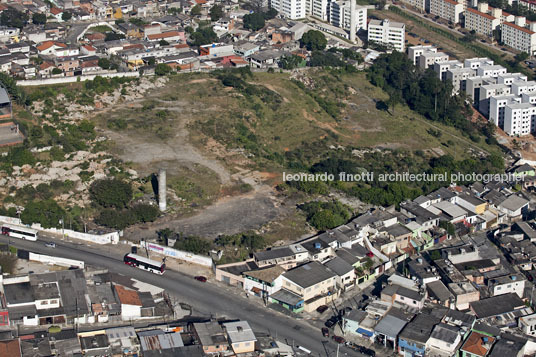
228	215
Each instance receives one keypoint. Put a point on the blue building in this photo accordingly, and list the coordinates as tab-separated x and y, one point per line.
412	340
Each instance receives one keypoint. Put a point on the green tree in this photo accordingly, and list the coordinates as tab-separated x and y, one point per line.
162	69
314	40
290	61
104	63
204	36
56	70
164	235
47	213
163	42
520	57
254	21
194	245
145	213
216	12
112	36
39	18
13	18
111	193
196	10
66	16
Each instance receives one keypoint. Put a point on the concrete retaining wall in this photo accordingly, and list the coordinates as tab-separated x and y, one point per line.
64	262
179	254
89	77
107	238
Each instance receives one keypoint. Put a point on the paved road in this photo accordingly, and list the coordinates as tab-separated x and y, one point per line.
207	299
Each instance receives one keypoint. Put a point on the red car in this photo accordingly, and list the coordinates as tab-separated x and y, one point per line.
338	339
200	278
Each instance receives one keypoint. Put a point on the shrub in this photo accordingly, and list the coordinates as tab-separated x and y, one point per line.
111	193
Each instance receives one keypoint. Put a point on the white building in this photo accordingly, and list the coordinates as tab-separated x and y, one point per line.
497	106
458	77
414	52
527	324
441	68
481	22
388	33
318	9
418	4
514	283
523	87
428	59
444	340
449	10
517	36
292	9
519	118
340	15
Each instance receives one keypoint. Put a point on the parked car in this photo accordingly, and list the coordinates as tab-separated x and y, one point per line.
201	278
338	339
325	332
367	351
50	245
321	308
330	323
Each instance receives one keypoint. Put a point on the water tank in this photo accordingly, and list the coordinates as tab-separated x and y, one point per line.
318	245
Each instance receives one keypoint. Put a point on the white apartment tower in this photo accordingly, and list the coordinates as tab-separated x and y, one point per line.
340	15
518	36
388	33
449	10
292	9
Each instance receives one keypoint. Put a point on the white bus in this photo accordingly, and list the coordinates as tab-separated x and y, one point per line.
138	261
19	232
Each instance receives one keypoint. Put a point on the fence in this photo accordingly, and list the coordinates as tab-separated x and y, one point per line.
47	259
59	80
179	254
107	238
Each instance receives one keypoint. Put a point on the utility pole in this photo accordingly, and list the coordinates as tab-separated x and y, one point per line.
338	345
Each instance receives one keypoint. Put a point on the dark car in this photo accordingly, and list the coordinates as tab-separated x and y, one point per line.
325	332
321	308
338	339
330	323
201	278
367	351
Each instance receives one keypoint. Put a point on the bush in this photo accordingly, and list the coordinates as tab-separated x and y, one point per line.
326	215
47	213
193	244
111	193
162	69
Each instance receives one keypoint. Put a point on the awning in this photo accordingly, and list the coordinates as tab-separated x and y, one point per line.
364	332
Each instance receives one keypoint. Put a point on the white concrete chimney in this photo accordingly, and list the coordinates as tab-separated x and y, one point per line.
162	190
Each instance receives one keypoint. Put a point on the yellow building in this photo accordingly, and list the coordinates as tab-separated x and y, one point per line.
311	284
240	336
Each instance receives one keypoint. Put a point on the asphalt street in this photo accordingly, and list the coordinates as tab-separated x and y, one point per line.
206	299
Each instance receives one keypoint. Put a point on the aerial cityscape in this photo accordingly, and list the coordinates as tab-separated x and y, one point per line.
256	178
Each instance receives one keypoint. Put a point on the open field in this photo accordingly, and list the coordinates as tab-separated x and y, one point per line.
225	148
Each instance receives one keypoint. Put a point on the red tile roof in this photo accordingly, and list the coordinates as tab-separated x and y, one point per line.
475	344
47	44
89	48
526	30
480	13
55	11
157	36
127	297
10	348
